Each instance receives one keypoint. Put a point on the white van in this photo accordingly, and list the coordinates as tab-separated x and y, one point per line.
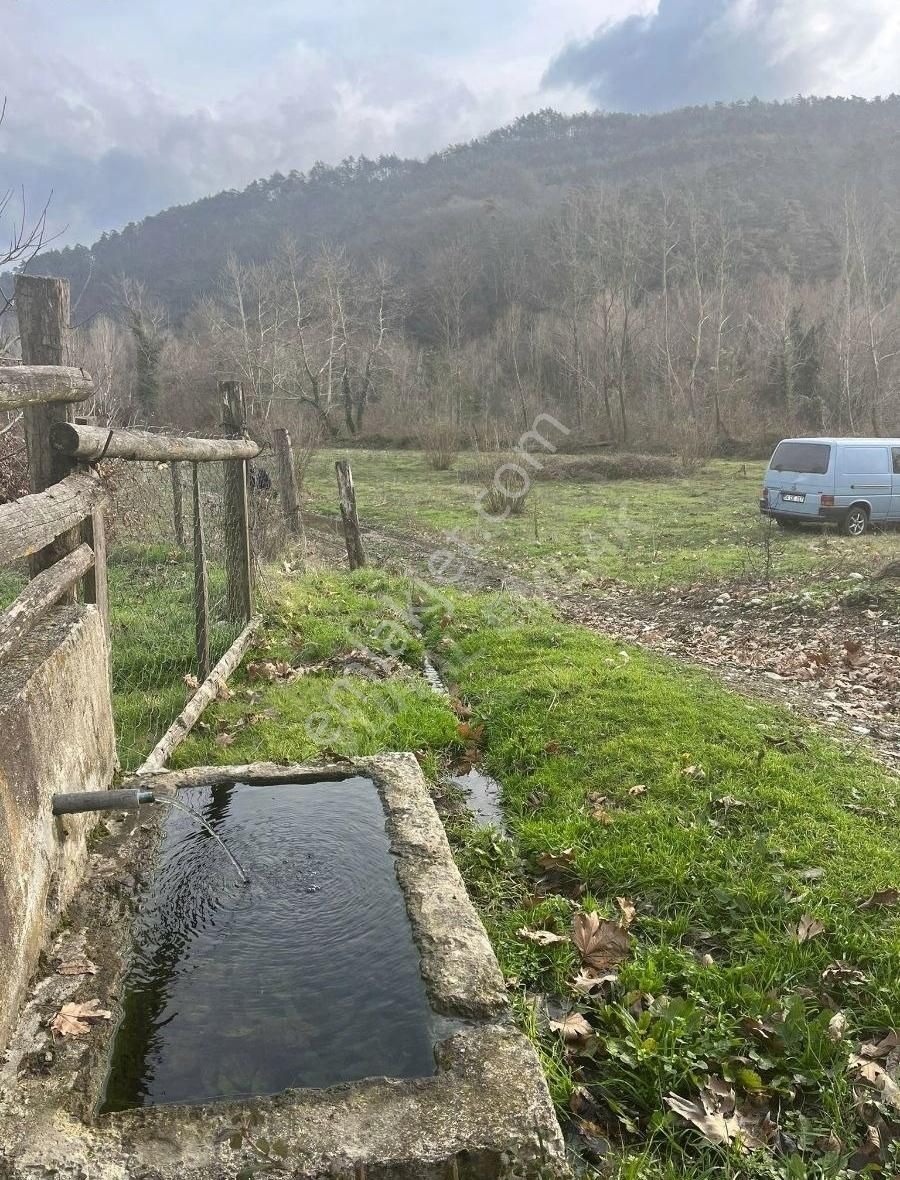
852	482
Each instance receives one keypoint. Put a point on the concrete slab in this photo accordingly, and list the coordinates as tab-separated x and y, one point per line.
486	1114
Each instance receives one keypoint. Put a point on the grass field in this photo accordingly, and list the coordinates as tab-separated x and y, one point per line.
741	836
646	533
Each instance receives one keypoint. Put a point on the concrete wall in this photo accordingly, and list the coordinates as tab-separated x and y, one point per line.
56	734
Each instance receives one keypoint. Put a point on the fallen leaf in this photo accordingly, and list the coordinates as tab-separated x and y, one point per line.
541	937
707	960
809	927
224	739
556	860
871	1072
72	1019
843	972
273	670
587	981
628	911
601	943
880	1049
694	771
75	967
714	1127
880	898
552	747
573	1027
720	1120
191	681
837	1026
811	874
638	789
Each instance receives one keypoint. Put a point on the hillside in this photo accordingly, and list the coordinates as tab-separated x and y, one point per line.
782	168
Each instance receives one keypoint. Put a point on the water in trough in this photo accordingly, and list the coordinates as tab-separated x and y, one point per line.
306	976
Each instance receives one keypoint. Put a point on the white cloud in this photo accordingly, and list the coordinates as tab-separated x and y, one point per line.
125	109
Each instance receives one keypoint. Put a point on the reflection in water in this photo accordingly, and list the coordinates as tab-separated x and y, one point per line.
307	976
482	797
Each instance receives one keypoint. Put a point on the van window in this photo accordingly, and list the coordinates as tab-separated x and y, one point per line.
862	461
896	460
810	458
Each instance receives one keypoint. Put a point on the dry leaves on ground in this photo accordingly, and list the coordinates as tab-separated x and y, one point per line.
881	897
573	1027
877	1076
555	861
73	1020
601	943
627	910
837	1026
721	1120
808	928
588	981
541	937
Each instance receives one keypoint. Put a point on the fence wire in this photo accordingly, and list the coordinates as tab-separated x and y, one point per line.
155	662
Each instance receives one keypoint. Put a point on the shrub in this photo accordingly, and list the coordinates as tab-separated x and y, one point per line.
439	439
506	481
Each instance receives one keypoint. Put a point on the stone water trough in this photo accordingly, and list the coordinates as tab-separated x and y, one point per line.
341	1015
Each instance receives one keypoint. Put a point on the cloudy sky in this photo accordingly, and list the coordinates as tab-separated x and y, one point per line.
124	108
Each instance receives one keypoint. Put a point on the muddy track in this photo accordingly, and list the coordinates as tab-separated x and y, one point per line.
837	666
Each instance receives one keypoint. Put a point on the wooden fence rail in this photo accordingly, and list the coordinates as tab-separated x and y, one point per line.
34	522
31	385
39	595
89	443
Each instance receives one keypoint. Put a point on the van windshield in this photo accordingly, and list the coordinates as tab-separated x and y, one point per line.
807	457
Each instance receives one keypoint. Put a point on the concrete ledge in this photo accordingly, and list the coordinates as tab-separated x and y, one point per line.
56	734
486	1104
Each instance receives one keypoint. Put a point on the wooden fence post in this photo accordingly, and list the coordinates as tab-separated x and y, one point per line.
177	504
42	308
288	492
201	583
355	554
238	570
96	585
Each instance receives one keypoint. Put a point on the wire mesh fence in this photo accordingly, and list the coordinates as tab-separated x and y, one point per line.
153	624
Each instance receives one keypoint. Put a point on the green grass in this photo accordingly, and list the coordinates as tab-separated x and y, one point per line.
647	533
713	863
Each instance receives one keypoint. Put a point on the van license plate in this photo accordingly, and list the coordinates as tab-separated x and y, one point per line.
794	497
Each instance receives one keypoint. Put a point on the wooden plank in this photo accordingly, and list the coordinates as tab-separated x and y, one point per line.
42	308
238	568
288	491
39	595
90	443
205	694
201	582
29	525
96	585
355	554
177	503
31	385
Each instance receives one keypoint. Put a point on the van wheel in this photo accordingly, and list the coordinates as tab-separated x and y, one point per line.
855	522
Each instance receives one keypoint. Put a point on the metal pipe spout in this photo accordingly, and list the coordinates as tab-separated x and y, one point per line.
76	801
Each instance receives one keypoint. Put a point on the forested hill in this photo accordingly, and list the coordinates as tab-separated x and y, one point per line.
782	169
